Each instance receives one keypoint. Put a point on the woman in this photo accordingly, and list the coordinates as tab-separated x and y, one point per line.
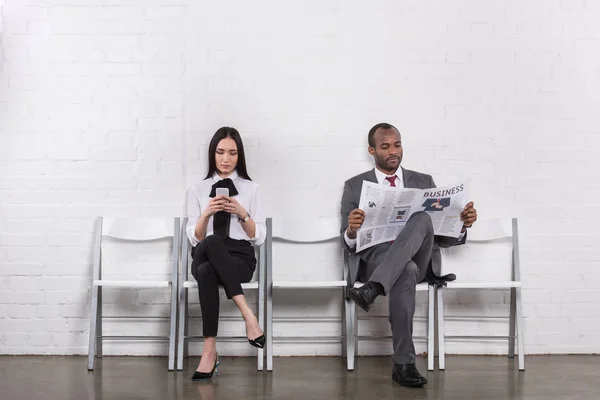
222	230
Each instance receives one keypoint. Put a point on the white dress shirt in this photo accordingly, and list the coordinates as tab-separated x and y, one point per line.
248	196
381	179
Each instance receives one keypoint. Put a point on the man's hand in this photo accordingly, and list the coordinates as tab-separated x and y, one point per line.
468	216
355	221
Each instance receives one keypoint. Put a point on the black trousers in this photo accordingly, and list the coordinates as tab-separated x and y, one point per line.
217	261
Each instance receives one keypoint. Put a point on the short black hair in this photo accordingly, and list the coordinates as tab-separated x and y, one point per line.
220	134
382	125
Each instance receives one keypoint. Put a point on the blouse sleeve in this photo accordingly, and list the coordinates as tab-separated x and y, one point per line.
193	214
257	213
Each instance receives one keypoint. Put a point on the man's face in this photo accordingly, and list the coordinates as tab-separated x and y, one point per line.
388	150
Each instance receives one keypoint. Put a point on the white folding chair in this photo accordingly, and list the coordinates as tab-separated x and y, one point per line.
353	337
186	283
133	230
303	232
489	261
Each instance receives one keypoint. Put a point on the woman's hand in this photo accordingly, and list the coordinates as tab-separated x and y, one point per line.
233	207
215	205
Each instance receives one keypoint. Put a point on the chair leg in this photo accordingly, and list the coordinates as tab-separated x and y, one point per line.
430	327
186	330
93	321
350	334
355	328
172	327
99	349
269	315
181	335
344	325
441	332
520	330
261	321
512	321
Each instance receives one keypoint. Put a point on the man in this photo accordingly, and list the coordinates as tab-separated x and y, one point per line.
394	269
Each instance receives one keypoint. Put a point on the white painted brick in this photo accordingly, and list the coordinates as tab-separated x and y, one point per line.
107	91
19	269
122	139
117	68
22	311
69	239
65	297
169	124
68	268
26	212
25	167
482	14
58	283
23	239
40	339
21	297
22	283
166	153
591	5
113	153
69	340
16	339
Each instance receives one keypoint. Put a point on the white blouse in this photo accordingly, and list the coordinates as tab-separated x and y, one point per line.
248	196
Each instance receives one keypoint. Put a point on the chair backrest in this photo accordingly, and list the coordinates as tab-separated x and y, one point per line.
131	235
306	231
490	253
314	263
138	229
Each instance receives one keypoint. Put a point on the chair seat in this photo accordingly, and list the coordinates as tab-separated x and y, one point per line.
309	284
194	284
421	287
132	284
483	285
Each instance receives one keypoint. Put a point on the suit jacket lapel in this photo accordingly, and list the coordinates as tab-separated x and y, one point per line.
371	177
408	180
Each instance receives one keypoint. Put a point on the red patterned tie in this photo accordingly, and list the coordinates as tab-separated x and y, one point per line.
391	180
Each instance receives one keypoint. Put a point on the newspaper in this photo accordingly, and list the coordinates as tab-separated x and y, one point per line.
388	208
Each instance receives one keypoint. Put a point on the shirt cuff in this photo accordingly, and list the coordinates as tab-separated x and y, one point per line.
350	242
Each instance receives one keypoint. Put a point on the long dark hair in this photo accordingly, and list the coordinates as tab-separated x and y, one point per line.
220	134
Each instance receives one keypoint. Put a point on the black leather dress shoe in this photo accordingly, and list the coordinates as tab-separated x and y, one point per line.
407	375
365	295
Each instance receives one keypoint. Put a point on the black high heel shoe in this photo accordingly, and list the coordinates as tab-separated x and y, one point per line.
199	376
258	342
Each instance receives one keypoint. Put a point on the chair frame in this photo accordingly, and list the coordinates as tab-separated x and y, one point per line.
183	337
516	313
271	285
354	337
96	336
349	337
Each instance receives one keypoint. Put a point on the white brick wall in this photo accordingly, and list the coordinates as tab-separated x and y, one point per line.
107	106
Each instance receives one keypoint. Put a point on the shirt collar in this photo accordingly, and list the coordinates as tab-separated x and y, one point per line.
381	176
217	178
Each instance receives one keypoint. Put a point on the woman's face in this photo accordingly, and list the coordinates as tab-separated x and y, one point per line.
226	156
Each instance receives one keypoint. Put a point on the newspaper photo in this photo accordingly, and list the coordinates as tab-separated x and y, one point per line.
388	208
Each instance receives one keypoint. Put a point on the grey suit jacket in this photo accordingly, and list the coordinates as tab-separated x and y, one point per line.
350	200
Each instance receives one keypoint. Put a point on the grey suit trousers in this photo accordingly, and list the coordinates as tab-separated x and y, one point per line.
398	267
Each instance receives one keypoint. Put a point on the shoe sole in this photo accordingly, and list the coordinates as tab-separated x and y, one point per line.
411	385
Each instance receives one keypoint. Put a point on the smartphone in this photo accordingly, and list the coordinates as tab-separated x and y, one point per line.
222	192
